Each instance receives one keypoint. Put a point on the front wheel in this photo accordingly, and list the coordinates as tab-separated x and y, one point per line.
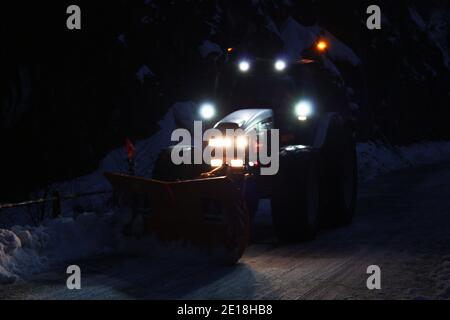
343	179
295	199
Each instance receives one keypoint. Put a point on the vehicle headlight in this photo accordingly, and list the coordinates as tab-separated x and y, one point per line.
216	163
241	142
220	142
207	111
244	66
303	110
237	163
280	65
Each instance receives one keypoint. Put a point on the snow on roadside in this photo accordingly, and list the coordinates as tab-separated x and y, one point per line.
207	48
115	161
375	159
25	250
297	38
143	73
436	28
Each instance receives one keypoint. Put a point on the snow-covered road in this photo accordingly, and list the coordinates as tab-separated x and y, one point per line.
402	225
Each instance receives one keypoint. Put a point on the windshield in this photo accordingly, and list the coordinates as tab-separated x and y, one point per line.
263	86
257	91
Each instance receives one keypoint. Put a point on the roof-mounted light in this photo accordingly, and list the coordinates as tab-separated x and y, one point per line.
207	111
280	65
244	66
322	46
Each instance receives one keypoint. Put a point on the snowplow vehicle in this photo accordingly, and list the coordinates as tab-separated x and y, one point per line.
310	180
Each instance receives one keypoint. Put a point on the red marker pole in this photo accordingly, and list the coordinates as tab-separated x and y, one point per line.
131	152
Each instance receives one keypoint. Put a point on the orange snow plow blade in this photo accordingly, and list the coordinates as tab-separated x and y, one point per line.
207	212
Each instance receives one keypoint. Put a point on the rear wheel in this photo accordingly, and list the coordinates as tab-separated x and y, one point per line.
295	199
343	178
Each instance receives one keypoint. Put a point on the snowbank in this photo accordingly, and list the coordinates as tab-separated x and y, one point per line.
143	73
207	48
116	161
298	38
436	28
25	250
376	159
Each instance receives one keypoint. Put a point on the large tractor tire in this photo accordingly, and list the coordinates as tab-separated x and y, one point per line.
340	163
251	197
295	199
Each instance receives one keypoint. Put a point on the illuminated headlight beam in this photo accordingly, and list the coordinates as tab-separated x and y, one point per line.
303	110
207	111
237	163
220	142
241	142
215	163
244	66
280	65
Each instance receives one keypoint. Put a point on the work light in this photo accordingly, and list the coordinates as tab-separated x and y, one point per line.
244	66
303	110
207	111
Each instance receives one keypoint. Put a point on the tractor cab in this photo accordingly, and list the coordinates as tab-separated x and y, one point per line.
284	87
